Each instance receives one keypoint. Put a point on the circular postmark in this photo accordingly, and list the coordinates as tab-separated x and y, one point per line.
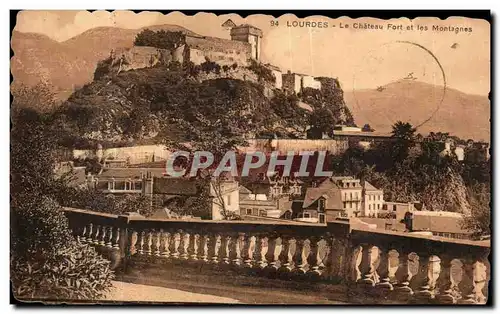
398	81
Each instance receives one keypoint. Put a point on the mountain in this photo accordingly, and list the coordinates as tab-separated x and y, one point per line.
70	64
464	115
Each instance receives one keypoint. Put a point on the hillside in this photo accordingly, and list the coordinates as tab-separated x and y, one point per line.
70	64
464	115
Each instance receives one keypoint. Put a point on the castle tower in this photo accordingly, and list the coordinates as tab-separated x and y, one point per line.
249	34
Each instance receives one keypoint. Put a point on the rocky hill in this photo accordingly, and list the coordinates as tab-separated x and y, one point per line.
463	115
70	64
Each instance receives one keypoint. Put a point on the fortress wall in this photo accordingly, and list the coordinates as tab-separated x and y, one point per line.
222	51
296	145
139	57
309	81
136	154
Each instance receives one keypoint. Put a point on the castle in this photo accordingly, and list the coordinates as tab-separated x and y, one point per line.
244	46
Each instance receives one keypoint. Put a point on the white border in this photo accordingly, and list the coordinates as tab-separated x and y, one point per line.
208	5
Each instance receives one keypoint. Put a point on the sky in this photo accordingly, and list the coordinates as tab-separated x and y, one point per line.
360	58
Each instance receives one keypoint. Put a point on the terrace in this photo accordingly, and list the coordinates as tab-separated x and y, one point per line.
266	262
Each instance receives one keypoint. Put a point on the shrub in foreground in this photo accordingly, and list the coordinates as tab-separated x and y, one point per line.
74	272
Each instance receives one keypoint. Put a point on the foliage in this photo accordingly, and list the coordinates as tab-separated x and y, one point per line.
39	97
160	39
262	72
291	118
73	272
210	66
367	128
416	172
479	222
39	230
96	200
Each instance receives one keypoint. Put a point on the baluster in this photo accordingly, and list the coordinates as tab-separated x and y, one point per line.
299	260
149	242
95	240
236	245
271	256
214	248
403	275
140	242
109	238
340	259
185	245
260	252
367	267
480	280
429	269
165	243
314	260
326	262
82	238
225	253
204	243
385	272
248	247
176	241
285	257
89	234
448	289
116	239
132	246
473	281
193	248
102	236
157	243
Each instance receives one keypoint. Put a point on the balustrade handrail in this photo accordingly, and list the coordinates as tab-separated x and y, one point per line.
315	251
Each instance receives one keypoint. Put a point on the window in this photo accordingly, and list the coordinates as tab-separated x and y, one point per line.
378	206
321	204
229	200
393	208
321	218
262	213
370	206
306	215
249	211
350	194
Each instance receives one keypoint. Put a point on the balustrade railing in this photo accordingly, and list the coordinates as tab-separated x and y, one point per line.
389	265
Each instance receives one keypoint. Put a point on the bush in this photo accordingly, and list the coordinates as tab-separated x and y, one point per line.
160	39
262	72
74	272
210	66
39	227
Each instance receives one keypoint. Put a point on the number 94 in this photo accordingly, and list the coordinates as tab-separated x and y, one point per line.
274	23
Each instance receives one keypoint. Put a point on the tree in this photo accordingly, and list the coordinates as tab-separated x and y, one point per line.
367	128
160	39
479	222
39	97
404	135
403	131
41	242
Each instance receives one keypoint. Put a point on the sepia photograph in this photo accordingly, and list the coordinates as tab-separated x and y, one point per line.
252	159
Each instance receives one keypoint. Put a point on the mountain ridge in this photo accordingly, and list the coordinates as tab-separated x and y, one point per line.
459	113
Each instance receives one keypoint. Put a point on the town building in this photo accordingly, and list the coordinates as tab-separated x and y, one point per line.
170	191
260	205
439	223
355	135
351	193
398	210
373	200
338	197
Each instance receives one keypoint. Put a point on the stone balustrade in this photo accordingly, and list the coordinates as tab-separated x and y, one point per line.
385	265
